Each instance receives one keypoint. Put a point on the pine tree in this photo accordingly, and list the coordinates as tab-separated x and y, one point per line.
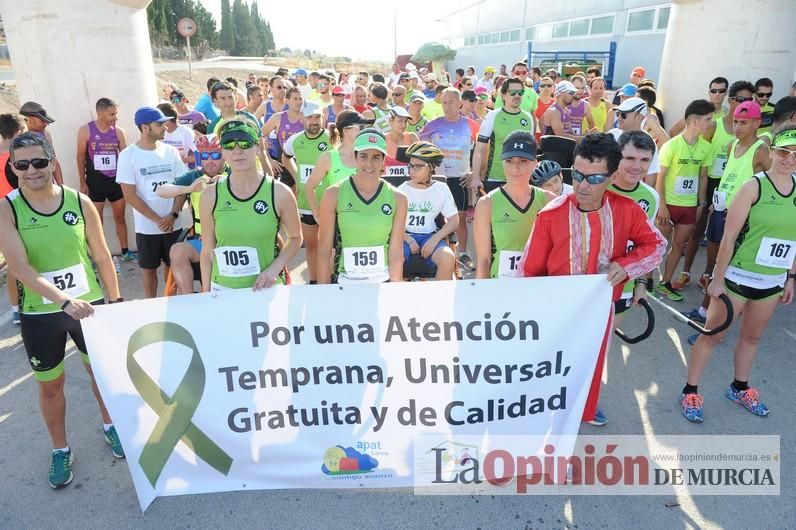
226	39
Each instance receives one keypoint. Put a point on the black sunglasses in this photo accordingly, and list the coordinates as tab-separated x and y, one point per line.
764	95
38	163
718	90
741	99
596	178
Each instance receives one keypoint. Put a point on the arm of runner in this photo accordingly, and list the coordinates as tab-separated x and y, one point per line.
482	237
702	190
326	235
736	218
610	117
287	208
287	157
132	198
397	238
677	128
316	177
660	186
479	156
762	160
16	257
82	144
120	134
206	203
448	210
655	130
649	246
99	248
589	118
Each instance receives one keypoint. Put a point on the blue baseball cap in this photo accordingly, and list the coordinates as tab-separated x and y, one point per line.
629	90
300	71
149	115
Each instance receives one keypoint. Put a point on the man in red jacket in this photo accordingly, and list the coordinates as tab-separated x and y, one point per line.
590	232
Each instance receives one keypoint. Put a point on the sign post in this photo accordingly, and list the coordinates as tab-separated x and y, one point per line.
187	28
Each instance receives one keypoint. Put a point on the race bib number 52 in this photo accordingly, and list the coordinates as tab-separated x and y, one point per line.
71	280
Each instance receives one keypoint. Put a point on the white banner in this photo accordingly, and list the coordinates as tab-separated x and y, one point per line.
328	386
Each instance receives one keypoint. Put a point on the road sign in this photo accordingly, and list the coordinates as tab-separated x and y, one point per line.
186	27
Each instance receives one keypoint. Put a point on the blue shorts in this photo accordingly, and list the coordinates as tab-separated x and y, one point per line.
196	243
421	240
716	226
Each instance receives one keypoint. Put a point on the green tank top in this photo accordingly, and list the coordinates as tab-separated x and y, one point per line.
736	173
766	246
363	233
646	197
246	233
57	248
599	114
306	152
416	127
511	228
382	122
505	123
337	171
721	139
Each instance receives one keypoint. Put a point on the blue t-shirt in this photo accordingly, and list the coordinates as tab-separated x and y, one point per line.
206	107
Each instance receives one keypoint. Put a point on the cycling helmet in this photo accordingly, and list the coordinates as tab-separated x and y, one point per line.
546	170
425	151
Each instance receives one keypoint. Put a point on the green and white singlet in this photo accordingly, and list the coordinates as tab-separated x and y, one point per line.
497	125
736	172
306	151
766	246
511	227
416	127
337	171
649	200
362	233
57	248
246	233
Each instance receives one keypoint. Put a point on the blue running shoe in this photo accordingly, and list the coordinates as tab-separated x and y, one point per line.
694	315
693	338
61	469
599	420
15	318
691	406
130	256
749	399
113	440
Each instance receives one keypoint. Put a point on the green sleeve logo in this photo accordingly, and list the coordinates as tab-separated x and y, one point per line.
174	412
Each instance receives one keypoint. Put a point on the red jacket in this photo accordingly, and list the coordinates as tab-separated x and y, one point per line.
566	241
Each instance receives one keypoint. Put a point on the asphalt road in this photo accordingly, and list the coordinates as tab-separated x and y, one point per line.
644	382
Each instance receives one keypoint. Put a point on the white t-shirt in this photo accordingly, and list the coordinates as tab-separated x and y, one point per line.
655	166
182	138
425	205
393	77
306	90
147	170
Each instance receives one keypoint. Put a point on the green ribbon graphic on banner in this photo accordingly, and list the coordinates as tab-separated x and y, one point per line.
174	412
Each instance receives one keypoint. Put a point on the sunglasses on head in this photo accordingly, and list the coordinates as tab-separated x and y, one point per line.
210	155
596	178
38	163
516	92
718	90
764	95
232	144
741	99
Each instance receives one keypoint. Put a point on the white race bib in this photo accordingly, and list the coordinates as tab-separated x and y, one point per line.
396	171
775	252
151	185
718	165
237	261
105	162
71	280
685	185
719	201
305	170
421	222
509	264
364	262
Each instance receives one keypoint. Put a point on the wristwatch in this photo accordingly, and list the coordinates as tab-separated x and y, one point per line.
792	276
644	281
175	215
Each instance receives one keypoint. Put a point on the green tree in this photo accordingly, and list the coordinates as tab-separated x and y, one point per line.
245	32
226	39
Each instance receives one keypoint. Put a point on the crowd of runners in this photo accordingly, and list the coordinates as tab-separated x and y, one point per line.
385	177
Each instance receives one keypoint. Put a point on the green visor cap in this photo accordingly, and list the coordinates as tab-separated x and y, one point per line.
238	130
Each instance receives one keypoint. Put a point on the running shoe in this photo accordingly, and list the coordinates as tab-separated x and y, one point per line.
61	469
669	292
691	406
682	280
112	438
599	420
466	262
694	315
692	339
130	256
704	281
749	399
15	318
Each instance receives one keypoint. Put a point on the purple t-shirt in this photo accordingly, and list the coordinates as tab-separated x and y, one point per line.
192	117
455	139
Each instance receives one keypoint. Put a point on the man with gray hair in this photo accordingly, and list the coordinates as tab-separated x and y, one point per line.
46	233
